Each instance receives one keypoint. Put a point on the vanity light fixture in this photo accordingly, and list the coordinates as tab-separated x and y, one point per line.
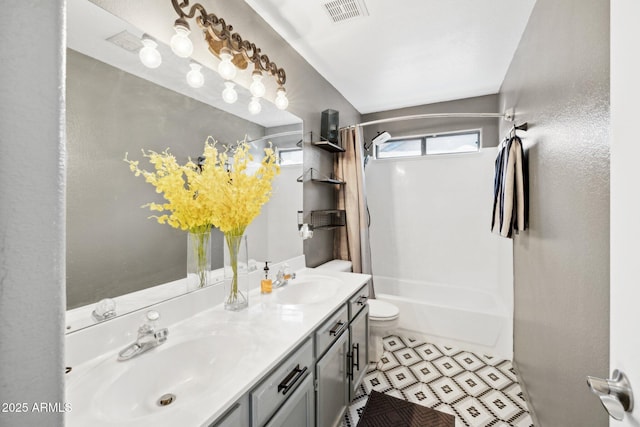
281	99
195	78
149	54
233	51
257	88
254	105
181	44
229	94
226	68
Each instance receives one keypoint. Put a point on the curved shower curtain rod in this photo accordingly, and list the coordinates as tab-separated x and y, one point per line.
506	116
276	135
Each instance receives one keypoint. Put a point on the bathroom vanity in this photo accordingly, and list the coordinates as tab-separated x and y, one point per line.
293	358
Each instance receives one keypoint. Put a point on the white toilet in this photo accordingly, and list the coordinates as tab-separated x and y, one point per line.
383	316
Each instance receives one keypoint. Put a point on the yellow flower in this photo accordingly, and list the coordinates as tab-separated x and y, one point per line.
220	193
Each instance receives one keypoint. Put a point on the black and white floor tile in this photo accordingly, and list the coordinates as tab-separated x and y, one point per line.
480	391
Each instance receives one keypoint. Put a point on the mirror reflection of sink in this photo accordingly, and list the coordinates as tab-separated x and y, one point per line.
307	290
174	373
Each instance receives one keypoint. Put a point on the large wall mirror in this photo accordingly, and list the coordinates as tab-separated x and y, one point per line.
116	105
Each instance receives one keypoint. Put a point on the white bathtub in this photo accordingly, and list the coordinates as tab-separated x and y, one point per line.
467	318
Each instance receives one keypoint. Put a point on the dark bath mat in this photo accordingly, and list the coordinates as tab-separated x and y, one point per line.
388	411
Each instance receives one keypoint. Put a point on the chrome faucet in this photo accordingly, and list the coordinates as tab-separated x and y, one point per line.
283	276
149	336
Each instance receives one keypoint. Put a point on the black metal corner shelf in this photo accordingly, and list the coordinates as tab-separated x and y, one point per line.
329	146
316	176
328	219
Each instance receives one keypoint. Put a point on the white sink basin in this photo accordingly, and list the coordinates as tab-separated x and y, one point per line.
131	390
307	290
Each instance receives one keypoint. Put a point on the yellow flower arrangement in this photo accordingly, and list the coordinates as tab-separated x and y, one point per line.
217	193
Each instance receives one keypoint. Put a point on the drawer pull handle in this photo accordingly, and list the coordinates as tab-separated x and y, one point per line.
291	379
362	300
350	366
337	328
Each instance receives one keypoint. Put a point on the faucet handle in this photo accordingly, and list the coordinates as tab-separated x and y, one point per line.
152	318
105	309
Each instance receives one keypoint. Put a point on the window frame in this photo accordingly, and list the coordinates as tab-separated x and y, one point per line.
279	151
423	144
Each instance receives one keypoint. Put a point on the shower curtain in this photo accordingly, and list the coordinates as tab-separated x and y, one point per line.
352	241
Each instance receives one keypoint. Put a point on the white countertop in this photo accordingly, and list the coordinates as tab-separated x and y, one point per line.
247	345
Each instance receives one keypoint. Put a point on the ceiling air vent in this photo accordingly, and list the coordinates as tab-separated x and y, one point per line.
126	41
341	10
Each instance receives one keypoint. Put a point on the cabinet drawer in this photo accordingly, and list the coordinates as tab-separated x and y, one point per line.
331	330
276	389
358	301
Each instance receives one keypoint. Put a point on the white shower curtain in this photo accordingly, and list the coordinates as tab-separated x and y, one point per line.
352	242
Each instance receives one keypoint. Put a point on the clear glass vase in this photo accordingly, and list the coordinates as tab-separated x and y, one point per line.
236	273
198	259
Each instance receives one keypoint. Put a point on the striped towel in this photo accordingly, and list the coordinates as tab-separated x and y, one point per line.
510	190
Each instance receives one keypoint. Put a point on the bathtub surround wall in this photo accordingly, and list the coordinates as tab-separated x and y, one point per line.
559	83
32	205
430	225
273	235
308	92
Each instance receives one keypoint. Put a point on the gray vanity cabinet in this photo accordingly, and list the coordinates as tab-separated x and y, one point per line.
359	358
332	395
272	399
236	416
298	411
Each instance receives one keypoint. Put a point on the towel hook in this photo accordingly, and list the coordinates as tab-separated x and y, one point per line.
524	127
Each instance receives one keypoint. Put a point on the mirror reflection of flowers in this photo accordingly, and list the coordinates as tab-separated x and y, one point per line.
209	194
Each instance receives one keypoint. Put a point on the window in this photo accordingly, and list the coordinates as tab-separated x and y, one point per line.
442	143
400	148
290	156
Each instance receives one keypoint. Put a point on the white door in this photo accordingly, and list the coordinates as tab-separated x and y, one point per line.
625	198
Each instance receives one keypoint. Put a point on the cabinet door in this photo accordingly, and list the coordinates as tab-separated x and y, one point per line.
236	416
332	395
298	411
359	331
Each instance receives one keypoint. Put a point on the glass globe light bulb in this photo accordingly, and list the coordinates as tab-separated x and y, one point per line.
257	88
195	78
149	55
254	106
226	68
281	100
181	44
229	94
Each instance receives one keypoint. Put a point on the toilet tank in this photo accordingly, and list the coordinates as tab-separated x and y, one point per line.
336	265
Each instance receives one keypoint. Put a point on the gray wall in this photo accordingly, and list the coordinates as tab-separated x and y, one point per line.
480	104
112	246
559	83
32	191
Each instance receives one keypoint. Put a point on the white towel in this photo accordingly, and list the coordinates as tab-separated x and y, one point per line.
510	190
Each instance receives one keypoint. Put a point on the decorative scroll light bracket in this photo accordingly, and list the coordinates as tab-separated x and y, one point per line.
220	36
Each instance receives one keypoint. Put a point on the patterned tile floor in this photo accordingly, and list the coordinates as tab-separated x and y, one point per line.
481	391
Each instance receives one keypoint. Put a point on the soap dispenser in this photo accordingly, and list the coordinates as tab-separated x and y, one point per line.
266	285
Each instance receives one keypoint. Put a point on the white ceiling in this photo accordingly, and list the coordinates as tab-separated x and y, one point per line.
407	52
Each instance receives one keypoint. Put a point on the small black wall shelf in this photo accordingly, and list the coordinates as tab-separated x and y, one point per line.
315	176
327	219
